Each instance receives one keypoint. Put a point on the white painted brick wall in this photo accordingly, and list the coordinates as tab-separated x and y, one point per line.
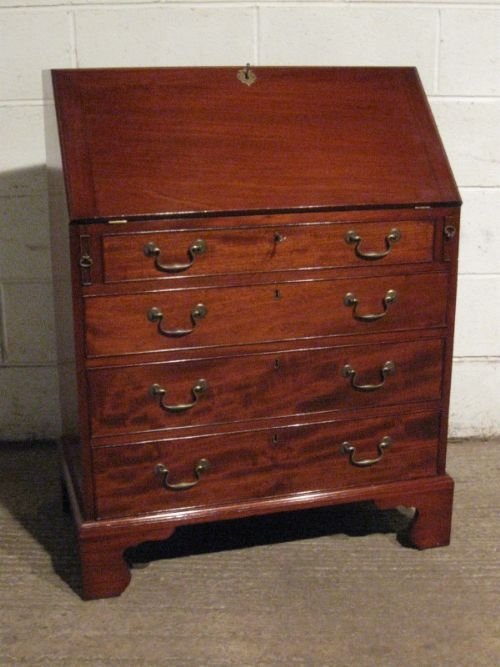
455	45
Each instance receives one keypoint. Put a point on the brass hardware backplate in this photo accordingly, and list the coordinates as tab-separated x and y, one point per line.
246	75
353	238
389	368
200	468
157	391
199	247
450	231
154	314
86	261
350	300
350	450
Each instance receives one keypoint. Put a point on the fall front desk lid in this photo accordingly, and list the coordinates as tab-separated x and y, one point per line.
148	142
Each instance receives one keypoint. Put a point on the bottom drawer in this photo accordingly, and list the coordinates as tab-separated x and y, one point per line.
213	470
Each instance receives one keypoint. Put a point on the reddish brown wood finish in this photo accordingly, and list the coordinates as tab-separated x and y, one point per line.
263	313
263	464
105	572
271	177
260	386
199	140
431	525
286	247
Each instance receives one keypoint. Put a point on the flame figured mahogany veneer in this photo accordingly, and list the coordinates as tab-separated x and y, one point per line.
255	276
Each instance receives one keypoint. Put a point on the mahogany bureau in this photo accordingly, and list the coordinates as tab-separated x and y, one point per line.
255	274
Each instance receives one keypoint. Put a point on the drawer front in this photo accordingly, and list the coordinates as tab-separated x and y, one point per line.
191	318
232	389
162	254
263	464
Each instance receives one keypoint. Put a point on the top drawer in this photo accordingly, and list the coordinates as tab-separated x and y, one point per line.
145	255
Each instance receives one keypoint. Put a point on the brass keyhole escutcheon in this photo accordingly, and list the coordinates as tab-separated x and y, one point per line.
246	75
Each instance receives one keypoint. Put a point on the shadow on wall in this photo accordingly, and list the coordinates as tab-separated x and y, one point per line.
29	401
24	225
30	501
24	182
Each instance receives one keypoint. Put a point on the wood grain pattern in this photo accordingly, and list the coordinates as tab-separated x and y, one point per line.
263	313
263	464
179	147
286	247
259	386
271	177
105	573
431	525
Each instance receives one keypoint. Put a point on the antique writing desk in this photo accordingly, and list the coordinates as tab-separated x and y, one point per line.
255	277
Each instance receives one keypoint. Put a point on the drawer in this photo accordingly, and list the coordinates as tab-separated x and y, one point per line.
192	318
263	464
162	254
257	386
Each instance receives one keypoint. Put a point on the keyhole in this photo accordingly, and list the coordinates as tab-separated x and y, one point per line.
275	438
277	294
277	364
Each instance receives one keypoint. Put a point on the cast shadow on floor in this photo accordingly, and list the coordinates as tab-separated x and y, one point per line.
30	490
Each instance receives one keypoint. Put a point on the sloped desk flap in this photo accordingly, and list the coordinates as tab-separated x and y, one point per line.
177	141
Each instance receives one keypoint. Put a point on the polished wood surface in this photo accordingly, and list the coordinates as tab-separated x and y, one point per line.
263	313
271	178
245	250
260	386
196	140
105	572
263	464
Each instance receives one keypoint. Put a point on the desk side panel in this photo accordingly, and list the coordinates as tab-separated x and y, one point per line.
66	289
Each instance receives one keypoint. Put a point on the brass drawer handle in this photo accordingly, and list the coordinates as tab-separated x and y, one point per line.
197	248
155	315
158	392
201	467
86	261
350	450
389	368
354	239
351	301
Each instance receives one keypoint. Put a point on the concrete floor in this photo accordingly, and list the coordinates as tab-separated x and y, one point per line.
331	588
